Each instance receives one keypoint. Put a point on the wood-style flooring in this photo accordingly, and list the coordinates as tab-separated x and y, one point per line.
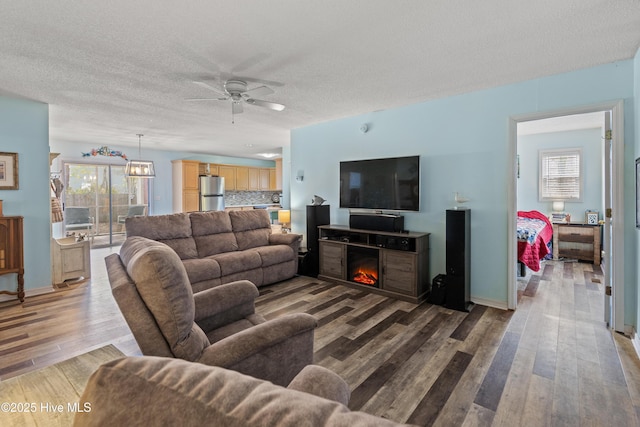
552	362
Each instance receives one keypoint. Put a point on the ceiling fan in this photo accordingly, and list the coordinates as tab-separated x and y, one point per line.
236	91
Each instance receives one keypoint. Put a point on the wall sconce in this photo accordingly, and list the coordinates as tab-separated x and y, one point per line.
284	218
300	176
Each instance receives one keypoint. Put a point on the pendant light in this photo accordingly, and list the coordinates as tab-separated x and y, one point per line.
140	168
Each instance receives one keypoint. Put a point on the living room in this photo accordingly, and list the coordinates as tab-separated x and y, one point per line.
463	141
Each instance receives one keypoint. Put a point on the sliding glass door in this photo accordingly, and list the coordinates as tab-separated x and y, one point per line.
97	199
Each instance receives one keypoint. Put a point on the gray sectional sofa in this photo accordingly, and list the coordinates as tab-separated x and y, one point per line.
218	247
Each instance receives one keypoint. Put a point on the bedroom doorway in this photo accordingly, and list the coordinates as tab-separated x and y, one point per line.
609	194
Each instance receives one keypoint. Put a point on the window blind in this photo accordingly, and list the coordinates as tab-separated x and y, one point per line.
560	177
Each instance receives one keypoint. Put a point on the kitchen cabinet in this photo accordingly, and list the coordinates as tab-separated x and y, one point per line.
229	174
242	178
185	185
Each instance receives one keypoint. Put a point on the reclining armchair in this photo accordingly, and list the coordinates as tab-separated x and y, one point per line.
216	327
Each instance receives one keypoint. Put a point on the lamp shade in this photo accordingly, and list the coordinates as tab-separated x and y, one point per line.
558	206
140	169
284	216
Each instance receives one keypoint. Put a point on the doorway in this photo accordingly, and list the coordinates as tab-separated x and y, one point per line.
104	197
612	179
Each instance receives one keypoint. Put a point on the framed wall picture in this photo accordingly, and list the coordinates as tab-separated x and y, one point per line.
8	171
638	192
592	218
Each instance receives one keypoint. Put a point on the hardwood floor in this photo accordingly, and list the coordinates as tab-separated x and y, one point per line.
552	362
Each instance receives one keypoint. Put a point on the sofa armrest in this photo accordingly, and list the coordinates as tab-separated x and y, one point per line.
275	351
215	301
284	239
291	240
321	382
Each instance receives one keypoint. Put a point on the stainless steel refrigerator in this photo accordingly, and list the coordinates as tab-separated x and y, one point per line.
211	193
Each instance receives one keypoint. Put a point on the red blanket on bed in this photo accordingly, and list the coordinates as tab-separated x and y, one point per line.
530	253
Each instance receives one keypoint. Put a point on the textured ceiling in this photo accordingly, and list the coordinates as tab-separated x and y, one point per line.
112	69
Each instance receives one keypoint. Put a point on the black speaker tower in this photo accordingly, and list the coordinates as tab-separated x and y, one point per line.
316	215
458	261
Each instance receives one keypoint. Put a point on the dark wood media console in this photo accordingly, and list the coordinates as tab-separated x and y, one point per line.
391	264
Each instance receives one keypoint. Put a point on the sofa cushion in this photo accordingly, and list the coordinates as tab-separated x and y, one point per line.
275	254
238	261
199	270
163	285
252	228
143	391
174	230
212	233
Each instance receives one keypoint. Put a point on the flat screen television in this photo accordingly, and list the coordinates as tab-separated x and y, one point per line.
381	184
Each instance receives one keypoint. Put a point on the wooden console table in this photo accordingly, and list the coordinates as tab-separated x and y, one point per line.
11	251
577	240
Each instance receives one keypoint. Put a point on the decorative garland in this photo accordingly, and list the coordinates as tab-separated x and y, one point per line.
105	151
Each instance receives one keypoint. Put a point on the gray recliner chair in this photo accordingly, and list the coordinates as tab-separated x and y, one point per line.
216	327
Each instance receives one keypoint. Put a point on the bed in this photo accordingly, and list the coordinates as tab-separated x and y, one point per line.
535	236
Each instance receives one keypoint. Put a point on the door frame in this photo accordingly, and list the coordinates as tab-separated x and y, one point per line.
617	192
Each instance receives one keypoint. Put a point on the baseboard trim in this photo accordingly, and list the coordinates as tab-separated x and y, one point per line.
28	293
501	305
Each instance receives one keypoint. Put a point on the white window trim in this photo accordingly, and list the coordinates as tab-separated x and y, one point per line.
542	154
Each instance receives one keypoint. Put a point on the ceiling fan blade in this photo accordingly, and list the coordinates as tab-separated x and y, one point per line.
208	86
205	99
258	91
266	104
236	107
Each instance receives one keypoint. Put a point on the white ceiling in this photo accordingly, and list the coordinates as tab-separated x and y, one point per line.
112	69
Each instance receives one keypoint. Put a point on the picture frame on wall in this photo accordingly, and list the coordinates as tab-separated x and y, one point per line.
638	192
8	171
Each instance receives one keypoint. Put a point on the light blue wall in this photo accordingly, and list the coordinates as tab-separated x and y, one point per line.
590	141
464	144
24	129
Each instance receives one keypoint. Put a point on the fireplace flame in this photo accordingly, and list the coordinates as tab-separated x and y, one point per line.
365	276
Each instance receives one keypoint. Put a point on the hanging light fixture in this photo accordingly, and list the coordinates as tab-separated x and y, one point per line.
140	168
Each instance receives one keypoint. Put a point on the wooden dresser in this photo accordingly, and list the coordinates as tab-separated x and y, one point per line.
11	251
577	241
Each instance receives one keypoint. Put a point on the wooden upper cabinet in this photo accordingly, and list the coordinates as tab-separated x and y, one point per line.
254	179
242	178
272	179
264	180
278	174
229	175
190	174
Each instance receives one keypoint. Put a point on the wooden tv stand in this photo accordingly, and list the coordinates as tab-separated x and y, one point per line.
402	260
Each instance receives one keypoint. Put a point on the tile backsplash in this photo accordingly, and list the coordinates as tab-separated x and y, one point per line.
234	198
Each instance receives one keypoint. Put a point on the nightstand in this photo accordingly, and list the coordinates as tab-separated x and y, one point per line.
577	241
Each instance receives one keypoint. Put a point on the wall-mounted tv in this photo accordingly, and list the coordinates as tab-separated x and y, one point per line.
382	184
